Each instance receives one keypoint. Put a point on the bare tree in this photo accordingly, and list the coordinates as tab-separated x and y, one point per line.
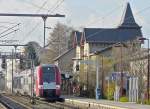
58	41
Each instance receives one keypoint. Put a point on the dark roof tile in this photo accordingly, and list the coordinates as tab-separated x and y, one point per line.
128	20
111	35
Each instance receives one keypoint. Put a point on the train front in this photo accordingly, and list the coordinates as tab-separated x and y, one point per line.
48	82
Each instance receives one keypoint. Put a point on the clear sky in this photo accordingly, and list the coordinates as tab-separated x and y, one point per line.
79	14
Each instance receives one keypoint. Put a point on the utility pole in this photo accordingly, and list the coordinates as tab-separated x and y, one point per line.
32	79
44	19
96	63
12	57
87	77
44	16
102	77
148	78
121	88
15	58
97	79
12	69
31	82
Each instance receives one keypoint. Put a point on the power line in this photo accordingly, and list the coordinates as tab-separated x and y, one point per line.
28	34
37	24
53	6
37	6
57	4
9	22
9	33
99	31
42	6
53	9
47	13
50	10
3	26
10	28
108	14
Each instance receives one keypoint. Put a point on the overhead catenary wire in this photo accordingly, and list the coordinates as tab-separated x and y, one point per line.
37	24
9	33
2	26
57	4
10	28
9	22
50	10
53	6
5	27
42	6
48	43
35	5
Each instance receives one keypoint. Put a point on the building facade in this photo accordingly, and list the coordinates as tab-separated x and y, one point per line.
91	40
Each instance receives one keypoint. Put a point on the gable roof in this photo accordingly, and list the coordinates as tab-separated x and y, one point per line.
111	35
64	53
128	30
78	35
110	47
128	19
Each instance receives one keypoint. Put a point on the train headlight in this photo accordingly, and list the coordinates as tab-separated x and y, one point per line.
40	86
57	86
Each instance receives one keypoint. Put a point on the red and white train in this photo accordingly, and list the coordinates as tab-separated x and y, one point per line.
46	82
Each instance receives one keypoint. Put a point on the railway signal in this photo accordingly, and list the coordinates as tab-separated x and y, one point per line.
77	67
3	65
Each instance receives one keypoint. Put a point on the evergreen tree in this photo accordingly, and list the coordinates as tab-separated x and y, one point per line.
31	54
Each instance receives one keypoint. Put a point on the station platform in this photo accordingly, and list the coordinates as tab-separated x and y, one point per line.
2	106
104	103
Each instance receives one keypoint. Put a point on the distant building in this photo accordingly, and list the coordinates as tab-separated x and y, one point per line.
9	72
41	52
91	40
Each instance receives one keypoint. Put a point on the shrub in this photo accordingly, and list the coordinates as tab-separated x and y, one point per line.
124	99
109	91
139	101
147	102
143	102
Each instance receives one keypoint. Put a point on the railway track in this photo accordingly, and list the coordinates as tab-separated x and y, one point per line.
59	105
40	104
10	104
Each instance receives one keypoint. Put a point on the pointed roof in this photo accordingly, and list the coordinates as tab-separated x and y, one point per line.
128	20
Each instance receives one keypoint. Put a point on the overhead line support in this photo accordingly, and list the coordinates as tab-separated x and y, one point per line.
44	16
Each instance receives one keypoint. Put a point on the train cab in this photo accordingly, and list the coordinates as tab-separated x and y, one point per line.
48	81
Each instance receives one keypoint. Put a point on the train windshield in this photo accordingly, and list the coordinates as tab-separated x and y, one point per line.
48	74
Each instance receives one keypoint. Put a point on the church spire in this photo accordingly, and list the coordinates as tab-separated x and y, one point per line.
128	20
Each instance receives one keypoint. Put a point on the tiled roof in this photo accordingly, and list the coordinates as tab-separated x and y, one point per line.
128	30
64	53
111	35
128	19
